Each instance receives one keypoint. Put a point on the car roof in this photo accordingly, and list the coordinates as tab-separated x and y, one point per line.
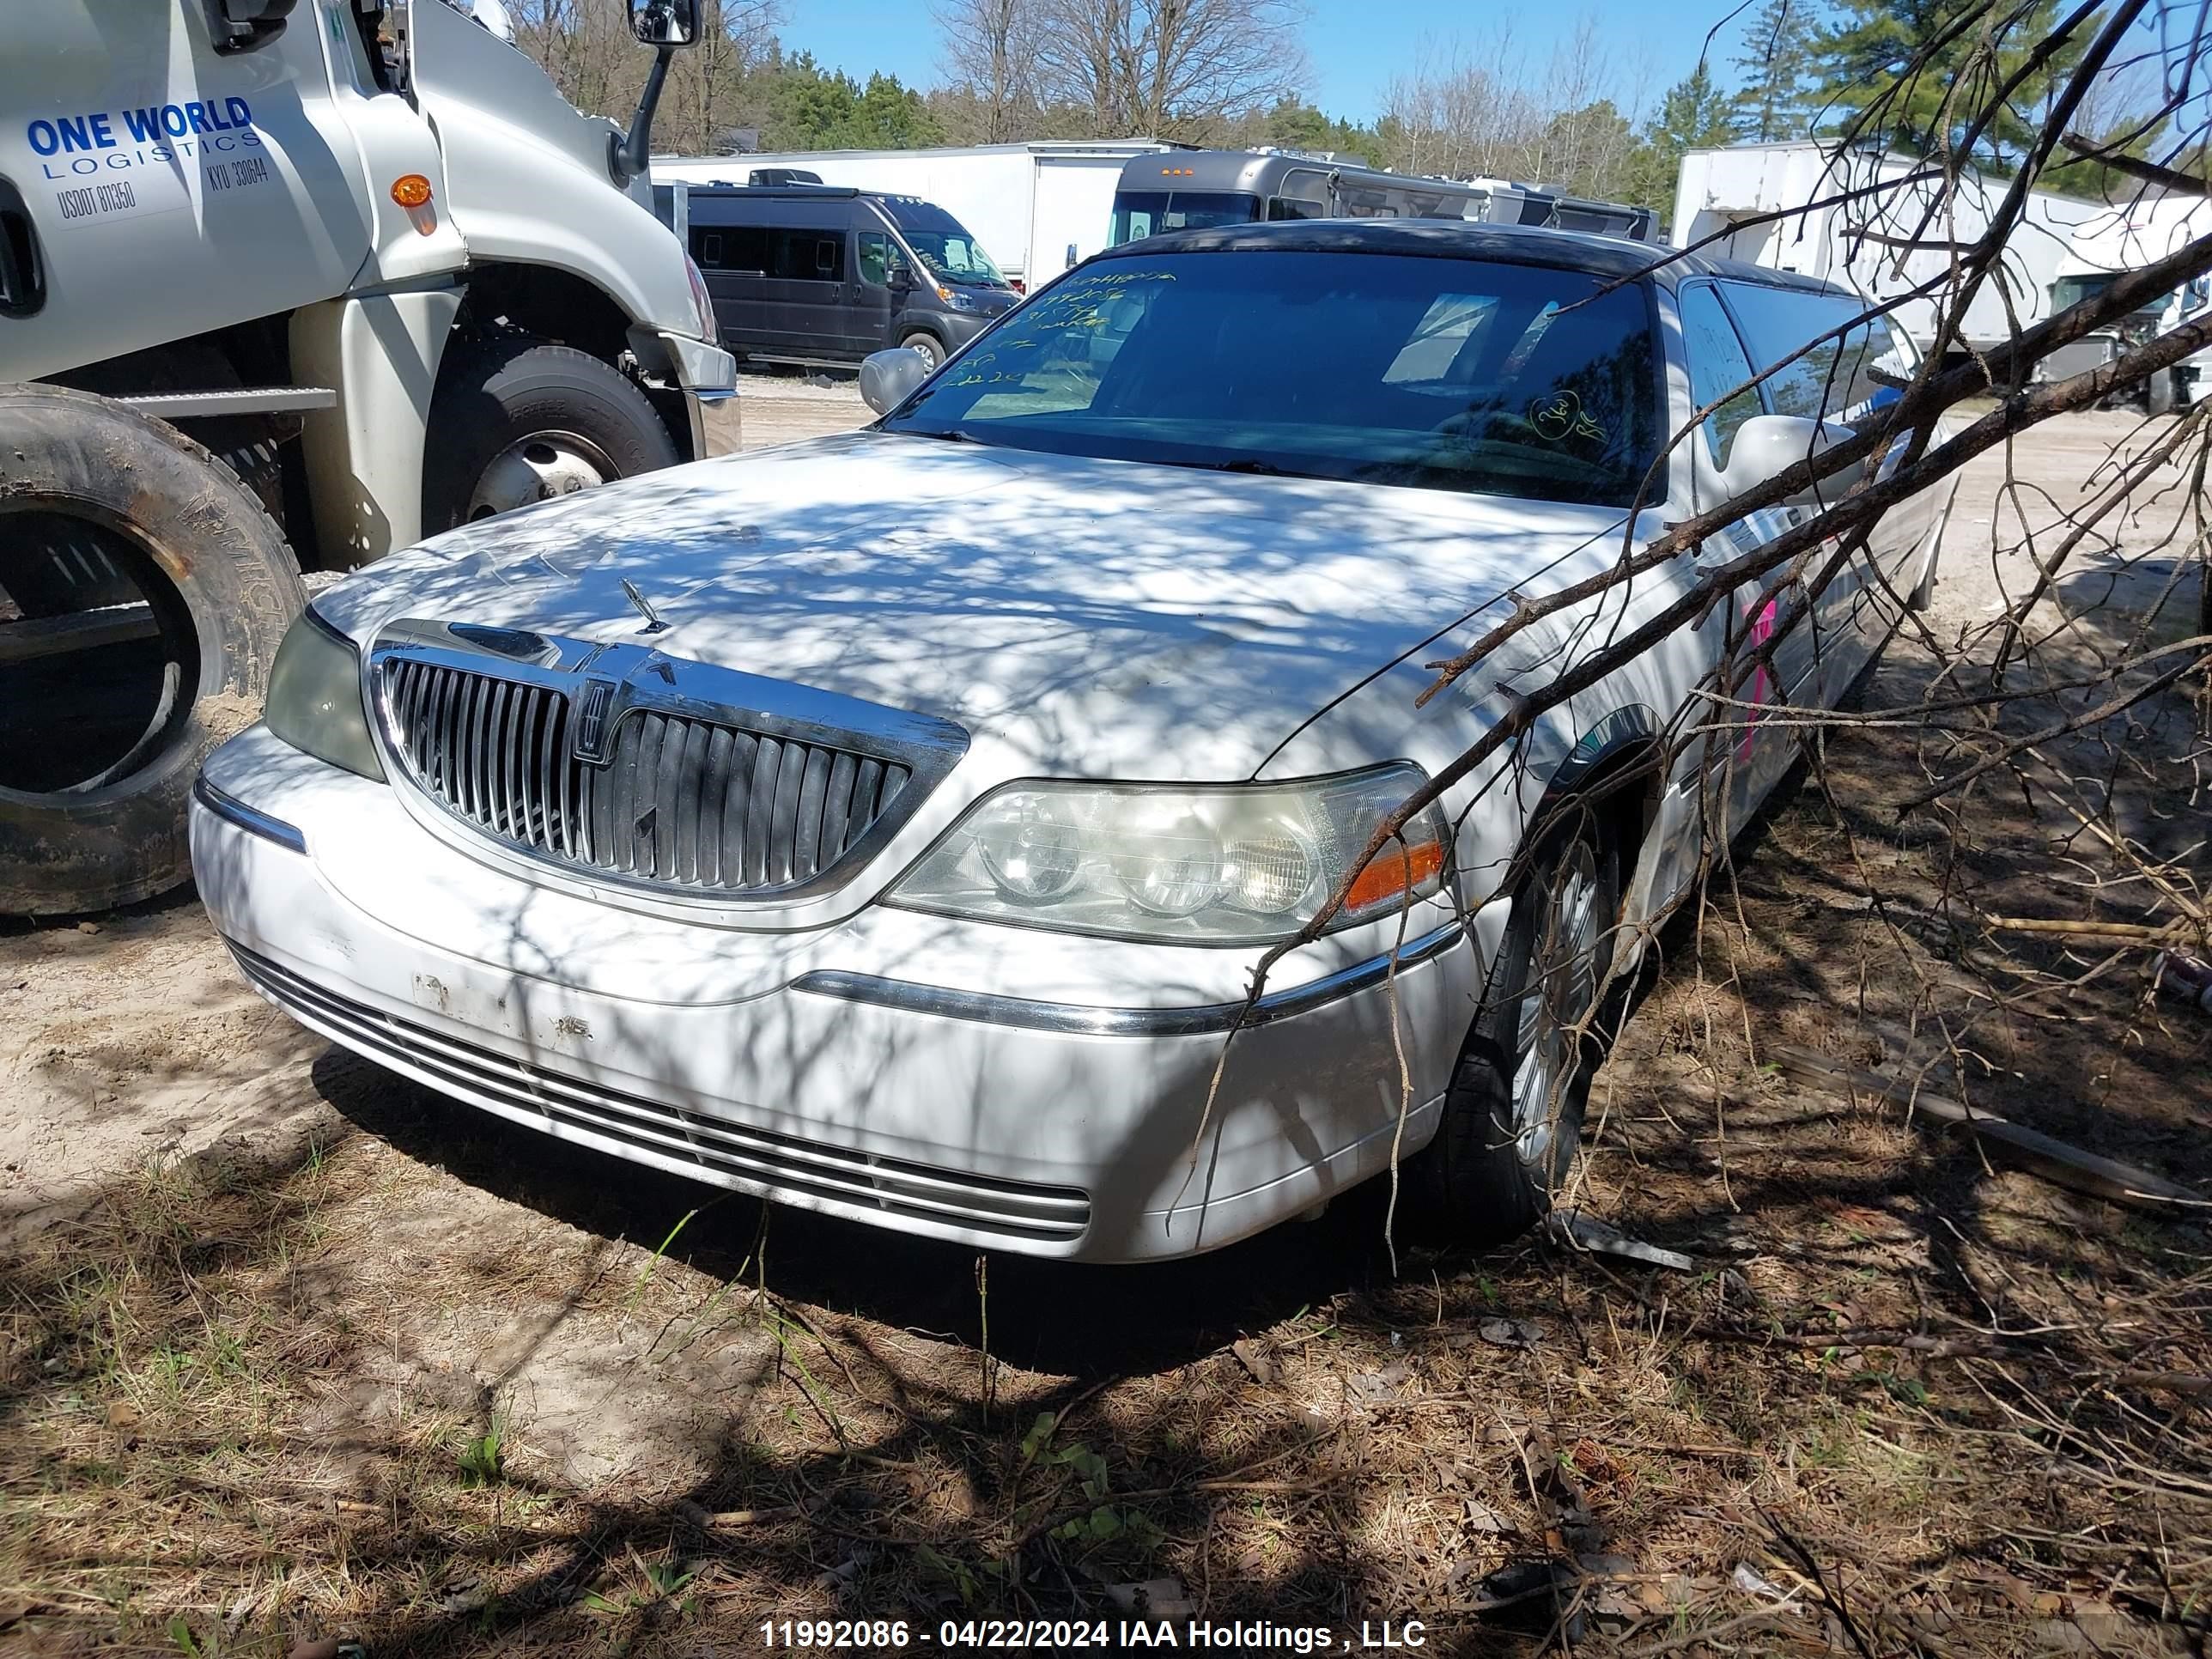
1451	239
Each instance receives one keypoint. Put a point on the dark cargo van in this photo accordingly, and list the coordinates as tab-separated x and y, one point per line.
814	273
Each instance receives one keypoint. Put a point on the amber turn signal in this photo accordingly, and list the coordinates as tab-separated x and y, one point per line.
1393	871
411	190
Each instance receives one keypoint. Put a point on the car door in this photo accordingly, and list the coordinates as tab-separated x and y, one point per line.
871	283
157	188
1746	756
1830	382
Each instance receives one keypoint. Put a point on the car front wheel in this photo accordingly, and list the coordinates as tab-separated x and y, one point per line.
1513	1115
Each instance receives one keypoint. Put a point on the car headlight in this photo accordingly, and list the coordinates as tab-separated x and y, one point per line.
314	697
1232	864
955	298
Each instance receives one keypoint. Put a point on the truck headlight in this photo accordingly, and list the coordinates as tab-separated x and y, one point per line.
955	298
314	697
703	302
1230	864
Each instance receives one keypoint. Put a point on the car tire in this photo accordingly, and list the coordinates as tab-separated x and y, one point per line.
931	348
516	419
1506	1141
162	523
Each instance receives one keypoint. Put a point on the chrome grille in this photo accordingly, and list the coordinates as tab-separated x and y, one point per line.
683	802
758	1161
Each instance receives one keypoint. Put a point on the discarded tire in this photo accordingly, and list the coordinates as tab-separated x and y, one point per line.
142	594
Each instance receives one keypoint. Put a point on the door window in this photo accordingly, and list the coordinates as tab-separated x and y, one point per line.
1718	364
1841	378
875	258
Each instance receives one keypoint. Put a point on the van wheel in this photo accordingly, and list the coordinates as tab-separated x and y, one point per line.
932	352
516	420
1513	1114
143	594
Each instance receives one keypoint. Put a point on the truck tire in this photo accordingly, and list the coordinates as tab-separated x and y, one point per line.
1505	1142
516	420
111	716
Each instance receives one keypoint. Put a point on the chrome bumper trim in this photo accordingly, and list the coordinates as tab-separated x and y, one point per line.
1078	1019
228	807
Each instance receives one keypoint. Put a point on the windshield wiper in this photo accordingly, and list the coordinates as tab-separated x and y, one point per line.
950	435
1256	467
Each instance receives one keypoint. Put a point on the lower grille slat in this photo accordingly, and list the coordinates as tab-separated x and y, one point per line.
690	804
775	1165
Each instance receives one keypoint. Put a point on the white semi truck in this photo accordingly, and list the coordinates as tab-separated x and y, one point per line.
2133	233
284	285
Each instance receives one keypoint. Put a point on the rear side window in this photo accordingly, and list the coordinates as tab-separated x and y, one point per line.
807	255
729	247
1842	379
1718	365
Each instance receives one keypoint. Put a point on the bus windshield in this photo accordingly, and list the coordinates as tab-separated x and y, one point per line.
1141	213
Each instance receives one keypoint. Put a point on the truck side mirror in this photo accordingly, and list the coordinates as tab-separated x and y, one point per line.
899	274
242	25
665	22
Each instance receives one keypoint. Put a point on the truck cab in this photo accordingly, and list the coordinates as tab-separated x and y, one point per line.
361	261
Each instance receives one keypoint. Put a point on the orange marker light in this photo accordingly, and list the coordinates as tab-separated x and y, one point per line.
411	190
1387	873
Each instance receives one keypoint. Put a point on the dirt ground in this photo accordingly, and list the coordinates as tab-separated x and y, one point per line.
294	1353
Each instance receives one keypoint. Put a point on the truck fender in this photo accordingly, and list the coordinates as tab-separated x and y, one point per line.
364	456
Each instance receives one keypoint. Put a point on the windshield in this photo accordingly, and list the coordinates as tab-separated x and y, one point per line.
943	243
2072	290
1387	368
1141	213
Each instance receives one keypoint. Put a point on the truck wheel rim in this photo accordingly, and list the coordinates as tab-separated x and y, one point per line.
537	467
1556	1001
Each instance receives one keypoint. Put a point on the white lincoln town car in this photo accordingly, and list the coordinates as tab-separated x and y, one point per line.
891	824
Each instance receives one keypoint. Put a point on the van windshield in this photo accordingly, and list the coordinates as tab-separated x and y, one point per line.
1438	373
940	241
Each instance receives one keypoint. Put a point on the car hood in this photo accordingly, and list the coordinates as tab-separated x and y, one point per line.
1079	616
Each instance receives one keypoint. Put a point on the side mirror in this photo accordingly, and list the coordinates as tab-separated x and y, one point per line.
243	25
665	22
1766	445
889	378
900	275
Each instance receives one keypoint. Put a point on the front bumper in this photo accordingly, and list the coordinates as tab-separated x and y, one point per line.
708	375
824	1068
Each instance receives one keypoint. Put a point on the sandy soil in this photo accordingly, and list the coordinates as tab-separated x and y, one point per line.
402	1277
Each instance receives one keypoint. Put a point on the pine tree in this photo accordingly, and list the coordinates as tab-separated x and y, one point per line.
1864	59
1774	66
1695	115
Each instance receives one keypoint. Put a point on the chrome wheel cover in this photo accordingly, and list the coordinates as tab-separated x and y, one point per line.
1557	999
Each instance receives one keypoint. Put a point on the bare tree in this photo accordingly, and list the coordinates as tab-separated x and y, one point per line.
586	48
990	51
1165	67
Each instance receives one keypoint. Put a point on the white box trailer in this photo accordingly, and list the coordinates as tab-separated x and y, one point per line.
1037	208
1880	246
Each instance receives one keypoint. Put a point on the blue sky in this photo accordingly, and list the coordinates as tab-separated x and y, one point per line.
1355	45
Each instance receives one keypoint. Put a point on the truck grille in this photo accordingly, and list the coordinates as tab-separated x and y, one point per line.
700	806
757	1161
